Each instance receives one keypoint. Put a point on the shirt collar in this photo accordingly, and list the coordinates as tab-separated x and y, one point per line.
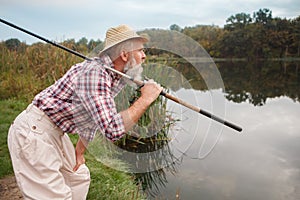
107	61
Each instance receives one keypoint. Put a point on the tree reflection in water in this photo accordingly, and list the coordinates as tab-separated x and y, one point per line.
252	81
244	82
256	81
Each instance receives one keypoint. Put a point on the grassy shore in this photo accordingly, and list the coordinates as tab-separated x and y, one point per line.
24	73
9	109
106	183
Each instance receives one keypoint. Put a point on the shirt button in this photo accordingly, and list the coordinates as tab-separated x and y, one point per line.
33	127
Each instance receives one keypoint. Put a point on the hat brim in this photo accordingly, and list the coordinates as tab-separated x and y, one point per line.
143	39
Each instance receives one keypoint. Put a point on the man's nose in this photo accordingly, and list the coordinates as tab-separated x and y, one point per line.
143	56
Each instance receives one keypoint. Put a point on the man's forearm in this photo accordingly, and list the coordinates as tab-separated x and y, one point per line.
80	146
134	112
79	153
149	92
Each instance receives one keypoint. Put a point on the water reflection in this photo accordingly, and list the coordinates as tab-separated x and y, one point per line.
255	82
151	181
246	81
262	162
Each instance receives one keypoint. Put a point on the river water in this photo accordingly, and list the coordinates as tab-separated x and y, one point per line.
261	162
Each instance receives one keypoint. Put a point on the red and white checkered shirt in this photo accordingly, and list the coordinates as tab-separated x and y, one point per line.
82	101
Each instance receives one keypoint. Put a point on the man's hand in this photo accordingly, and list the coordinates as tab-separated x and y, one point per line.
150	91
79	152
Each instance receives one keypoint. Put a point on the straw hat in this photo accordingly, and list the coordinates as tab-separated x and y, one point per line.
120	34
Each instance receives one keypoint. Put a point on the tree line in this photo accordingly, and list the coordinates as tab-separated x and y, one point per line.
243	36
83	45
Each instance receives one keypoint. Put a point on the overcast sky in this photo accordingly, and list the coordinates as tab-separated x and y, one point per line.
59	20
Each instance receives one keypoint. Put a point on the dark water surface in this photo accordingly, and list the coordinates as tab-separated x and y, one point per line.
262	162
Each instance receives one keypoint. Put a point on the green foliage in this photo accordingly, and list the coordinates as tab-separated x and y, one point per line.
207	36
175	27
261	36
237	21
15	45
243	36
263	16
23	75
28	69
9	109
108	183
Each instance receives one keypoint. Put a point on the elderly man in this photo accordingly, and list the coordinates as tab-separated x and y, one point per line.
45	163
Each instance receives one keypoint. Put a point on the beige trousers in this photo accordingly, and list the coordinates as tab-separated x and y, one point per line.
43	158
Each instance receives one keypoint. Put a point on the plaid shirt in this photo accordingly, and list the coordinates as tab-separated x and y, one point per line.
82	101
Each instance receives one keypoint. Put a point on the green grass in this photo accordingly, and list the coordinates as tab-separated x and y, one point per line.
9	109
106	183
24	74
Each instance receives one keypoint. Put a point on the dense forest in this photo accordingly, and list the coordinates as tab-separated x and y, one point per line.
243	36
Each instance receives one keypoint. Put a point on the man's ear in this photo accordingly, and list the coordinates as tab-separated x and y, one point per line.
124	56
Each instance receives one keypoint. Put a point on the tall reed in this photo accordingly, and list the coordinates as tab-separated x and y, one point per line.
25	73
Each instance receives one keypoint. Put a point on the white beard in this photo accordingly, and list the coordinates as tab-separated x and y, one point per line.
133	70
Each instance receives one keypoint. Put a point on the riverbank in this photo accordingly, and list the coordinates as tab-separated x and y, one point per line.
106	183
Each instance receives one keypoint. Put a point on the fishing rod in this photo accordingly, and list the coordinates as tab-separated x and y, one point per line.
138	82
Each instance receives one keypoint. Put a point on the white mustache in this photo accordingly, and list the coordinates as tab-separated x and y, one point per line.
134	71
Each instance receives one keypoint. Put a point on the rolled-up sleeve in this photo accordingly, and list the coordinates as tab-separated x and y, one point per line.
105	115
94	89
